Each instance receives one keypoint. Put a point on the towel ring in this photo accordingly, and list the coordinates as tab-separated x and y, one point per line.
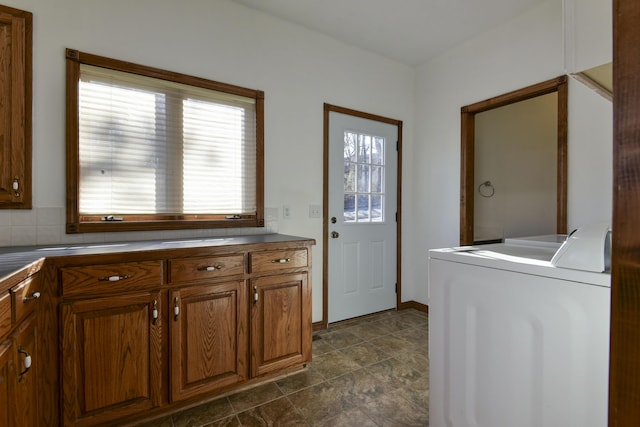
489	189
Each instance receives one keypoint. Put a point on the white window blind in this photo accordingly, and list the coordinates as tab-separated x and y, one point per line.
154	147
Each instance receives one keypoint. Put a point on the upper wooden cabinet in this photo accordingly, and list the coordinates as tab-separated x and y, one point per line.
16	31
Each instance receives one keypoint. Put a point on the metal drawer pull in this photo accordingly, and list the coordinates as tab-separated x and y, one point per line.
281	260
27	362
16	186
113	278
155	311
210	268
33	296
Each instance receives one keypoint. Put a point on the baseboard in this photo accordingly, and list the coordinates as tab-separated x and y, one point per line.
414	304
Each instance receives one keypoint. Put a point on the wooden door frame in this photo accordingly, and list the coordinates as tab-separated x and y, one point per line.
624	353
328	108
467	149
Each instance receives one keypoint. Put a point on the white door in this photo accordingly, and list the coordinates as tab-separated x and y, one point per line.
363	165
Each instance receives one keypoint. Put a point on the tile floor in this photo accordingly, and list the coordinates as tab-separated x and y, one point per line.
371	371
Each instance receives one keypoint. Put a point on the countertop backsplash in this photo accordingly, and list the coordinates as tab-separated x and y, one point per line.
46	226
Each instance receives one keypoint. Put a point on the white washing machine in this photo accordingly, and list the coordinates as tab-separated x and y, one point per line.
516	341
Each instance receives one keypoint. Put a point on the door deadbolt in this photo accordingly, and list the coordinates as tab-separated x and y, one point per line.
335	234
333	220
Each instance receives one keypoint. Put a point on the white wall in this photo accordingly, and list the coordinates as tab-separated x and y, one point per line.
525	51
588	33
590	180
297	69
516	148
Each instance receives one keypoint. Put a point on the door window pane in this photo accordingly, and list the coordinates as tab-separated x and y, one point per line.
363	178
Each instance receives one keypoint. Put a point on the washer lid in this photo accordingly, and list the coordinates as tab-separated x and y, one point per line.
587	248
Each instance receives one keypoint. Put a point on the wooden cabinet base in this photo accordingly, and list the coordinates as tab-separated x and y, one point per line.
146	334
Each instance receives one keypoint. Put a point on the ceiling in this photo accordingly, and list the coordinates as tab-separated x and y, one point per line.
408	31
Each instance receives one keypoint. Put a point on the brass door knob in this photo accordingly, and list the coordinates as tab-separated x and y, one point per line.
335	234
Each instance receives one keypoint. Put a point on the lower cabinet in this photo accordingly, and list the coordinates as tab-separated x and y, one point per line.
18	385
150	336
208	333
280	322
111	363
6	367
25	363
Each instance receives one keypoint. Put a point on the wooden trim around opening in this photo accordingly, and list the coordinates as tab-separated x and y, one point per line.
467	155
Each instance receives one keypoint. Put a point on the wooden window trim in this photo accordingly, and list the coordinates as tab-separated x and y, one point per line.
77	223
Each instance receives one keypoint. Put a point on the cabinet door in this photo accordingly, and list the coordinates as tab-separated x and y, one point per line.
6	367
280	322
208	338
111	357
23	388
16	33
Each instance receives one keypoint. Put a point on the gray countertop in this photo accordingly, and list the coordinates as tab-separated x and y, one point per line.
14	258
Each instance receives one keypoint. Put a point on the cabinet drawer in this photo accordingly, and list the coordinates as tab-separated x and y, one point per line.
5	313
278	260
24	298
189	269
110	278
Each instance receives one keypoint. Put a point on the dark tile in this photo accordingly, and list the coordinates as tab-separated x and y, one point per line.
394	410
415	360
331	365
364	354
160	422
395	373
204	414
225	422
415	318
392	344
321	402
321	346
414	335
296	382
368	330
341	338
255	396
393	324
353	417
277	413
360	386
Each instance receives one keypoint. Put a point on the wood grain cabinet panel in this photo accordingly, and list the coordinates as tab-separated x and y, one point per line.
24	410
208	338
6	368
203	268
280	322
112	364
5	313
110	279
18	382
24	298
267	261
16	34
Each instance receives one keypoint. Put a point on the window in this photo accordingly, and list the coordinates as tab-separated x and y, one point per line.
149	149
363	178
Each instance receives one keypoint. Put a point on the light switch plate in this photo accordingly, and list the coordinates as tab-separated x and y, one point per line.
315	211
